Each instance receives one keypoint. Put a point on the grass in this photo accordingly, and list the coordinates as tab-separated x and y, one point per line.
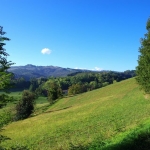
10	105
94	120
41	105
135	139
40	102
7	113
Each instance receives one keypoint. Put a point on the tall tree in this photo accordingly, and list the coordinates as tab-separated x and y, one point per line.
143	68
5	77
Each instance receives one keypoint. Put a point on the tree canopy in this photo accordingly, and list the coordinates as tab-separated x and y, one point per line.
5	77
143	68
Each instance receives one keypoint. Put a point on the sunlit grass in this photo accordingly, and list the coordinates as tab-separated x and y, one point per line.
82	119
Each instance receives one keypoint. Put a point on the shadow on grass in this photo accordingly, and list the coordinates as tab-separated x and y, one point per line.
73	95
139	141
58	109
97	145
134	141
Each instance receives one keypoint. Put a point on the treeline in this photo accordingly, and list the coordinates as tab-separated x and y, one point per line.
72	84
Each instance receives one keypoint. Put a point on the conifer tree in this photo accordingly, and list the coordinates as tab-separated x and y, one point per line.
5	77
4	63
143	68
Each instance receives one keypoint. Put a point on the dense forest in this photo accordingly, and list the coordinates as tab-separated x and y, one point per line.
74	83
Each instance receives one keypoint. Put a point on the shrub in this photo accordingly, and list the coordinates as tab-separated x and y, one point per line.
5	118
25	106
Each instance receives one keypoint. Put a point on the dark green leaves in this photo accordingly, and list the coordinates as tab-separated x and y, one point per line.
143	68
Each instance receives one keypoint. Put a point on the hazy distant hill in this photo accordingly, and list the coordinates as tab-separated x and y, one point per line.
32	71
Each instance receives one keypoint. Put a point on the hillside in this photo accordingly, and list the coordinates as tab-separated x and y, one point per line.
86	121
31	71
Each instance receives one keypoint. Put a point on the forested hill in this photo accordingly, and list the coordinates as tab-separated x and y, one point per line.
31	71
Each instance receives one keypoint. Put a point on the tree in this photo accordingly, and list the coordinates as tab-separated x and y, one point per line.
54	90
77	89
143	68
4	64
5	84
93	85
34	84
5	77
26	105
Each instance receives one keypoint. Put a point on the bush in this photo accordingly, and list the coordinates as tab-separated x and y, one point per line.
5	118
4	99
25	106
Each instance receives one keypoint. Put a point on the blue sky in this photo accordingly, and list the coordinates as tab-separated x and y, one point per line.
91	34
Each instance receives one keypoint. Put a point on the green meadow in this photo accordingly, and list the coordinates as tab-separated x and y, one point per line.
110	118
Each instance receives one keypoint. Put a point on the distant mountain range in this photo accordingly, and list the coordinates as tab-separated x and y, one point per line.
31	71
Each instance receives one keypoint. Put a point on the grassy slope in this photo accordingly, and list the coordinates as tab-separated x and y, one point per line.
16	95
93	116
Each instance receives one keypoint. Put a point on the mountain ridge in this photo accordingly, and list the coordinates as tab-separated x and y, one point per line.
32	71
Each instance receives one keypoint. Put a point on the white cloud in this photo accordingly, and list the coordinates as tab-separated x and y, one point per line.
98	69
80	68
46	51
95	68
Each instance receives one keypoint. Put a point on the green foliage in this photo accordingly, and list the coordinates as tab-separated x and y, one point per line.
34	85
76	89
54	91
5	118
105	83
90	120
4	99
83	82
25	106
143	68
5	80
5	77
5	85
20	83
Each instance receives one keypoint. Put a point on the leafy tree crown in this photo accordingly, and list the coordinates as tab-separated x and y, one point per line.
143	68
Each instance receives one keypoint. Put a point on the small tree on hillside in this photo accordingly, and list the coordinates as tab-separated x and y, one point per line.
143	68
54	91
26	105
